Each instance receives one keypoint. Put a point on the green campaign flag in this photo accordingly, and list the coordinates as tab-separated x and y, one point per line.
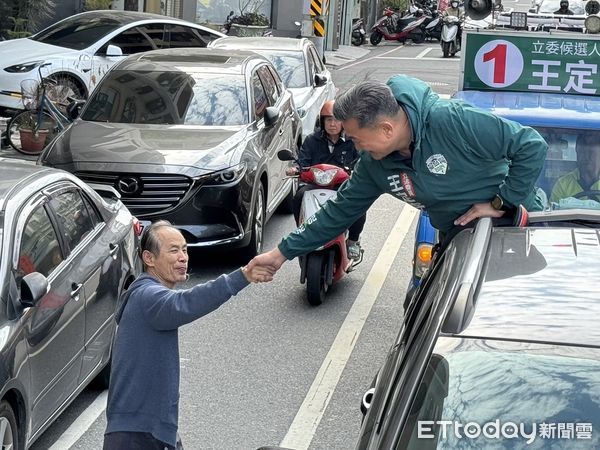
531	62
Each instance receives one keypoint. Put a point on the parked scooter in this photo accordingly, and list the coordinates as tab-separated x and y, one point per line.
330	262
393	28
450	39
359	34
433	25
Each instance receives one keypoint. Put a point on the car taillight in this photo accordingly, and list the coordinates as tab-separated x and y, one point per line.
422	259
137	226
323	177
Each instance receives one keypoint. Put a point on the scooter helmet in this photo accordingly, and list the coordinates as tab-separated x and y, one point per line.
564	4
419	12
454	4
326	111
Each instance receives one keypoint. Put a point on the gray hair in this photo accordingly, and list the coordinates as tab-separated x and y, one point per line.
366	103
149	239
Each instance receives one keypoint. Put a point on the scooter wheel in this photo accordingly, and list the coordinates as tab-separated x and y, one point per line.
375	37
316	278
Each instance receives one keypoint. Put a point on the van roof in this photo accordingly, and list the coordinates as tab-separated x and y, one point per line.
539	109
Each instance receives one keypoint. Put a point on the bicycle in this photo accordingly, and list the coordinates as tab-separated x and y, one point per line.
31	130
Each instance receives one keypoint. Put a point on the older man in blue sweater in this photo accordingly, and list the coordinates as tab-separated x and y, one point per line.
143	397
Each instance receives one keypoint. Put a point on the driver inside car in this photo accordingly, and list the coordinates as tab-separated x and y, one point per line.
584	182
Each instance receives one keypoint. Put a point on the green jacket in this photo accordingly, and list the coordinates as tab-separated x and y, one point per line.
461	156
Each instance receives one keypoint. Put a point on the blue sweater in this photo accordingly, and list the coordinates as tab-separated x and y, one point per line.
144	387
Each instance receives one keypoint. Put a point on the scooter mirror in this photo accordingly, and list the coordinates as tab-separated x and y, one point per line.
285	155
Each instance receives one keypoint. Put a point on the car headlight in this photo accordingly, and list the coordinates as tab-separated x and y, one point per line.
23	68
323	177
226	176
592	24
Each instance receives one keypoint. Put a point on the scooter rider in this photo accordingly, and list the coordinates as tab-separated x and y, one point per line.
564	8
329	146
454	10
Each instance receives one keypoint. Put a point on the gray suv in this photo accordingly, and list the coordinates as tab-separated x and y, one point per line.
191	136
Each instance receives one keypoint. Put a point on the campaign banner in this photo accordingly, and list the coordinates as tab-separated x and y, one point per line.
565	63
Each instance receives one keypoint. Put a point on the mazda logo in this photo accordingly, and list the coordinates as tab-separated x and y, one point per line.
129	185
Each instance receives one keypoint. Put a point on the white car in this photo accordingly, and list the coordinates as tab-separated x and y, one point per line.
300	68
81	49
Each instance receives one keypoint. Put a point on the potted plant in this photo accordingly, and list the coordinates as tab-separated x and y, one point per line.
33	138
249	22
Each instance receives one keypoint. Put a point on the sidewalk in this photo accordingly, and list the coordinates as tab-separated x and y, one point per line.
345	54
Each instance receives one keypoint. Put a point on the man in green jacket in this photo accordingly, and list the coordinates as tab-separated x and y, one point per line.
456	161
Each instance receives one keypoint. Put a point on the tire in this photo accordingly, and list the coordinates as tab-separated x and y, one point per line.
287	205
258	224
22	121
65	87
316	284
418	37
375	37
446	49
8	423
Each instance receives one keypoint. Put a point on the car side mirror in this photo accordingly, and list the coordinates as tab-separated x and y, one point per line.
271	116
105	191
320	80
74	107
285	155
113	50
33	287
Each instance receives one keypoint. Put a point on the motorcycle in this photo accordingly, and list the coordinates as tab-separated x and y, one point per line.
393	28
433	26
327	264
450	41
358	32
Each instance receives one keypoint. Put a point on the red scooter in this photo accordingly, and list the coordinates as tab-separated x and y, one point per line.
391	27
328	263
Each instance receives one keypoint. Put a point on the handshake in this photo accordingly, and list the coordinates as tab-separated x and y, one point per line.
263	267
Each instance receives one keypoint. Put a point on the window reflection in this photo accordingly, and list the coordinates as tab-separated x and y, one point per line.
169	97
290	66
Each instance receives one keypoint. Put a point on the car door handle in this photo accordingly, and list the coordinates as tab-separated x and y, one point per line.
76	289
113	249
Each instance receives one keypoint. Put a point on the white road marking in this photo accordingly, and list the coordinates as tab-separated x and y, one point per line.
82	423
304	426
424	52
369	59
413	58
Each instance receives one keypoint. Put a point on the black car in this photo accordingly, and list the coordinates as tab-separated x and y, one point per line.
499	345
190	136
66	256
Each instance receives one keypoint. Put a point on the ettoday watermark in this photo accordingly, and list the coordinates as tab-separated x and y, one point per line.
427	429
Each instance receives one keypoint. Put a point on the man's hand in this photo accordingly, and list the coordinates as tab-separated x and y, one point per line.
476	211
265	265
257	274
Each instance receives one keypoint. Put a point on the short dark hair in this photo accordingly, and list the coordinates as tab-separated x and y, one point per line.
366	103
149	239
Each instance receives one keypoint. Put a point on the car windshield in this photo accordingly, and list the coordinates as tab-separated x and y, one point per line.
169	98
482	395
570	177
290	66
551	6
77	33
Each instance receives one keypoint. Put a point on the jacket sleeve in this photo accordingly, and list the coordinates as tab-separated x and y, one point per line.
305	155
490	137
168	309
352	200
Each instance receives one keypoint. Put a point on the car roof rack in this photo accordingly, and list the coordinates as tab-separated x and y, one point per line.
470	279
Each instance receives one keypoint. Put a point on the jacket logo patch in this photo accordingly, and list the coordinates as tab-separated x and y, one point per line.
407	184
437	164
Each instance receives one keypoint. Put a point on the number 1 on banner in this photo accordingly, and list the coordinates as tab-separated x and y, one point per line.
499	63
498	55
